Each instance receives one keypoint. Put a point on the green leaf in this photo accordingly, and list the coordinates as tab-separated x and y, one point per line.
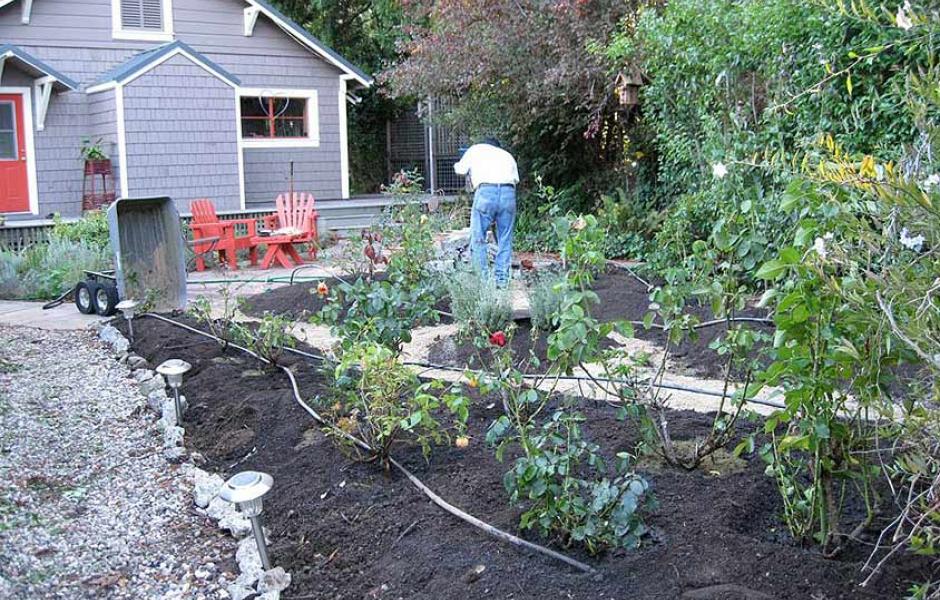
770	270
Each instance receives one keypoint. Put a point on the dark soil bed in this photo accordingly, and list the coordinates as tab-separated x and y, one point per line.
300	301
347	530
622	297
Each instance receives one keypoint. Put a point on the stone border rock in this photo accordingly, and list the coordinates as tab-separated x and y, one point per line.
252	580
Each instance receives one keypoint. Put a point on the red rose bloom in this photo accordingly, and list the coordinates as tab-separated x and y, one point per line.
498	339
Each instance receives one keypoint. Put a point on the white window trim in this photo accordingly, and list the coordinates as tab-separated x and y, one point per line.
344	136
29	134
313	119
119	33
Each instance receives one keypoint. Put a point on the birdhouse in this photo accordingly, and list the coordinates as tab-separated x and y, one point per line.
627	86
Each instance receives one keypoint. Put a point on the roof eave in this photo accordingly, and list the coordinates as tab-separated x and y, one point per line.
38	67
133	70
308	39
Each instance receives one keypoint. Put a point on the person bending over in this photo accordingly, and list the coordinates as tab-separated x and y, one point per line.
493	173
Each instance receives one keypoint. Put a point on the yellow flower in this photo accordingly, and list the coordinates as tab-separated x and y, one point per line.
346	424
462	442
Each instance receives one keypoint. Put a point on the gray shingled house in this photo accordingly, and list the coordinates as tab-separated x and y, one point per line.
190	98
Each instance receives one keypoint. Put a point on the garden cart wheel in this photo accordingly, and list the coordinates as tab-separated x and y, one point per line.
106	299
85	297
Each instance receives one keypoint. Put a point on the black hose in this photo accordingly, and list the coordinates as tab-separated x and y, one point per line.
59	301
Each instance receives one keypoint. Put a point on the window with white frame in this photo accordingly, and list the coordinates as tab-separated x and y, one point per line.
148	20
279	118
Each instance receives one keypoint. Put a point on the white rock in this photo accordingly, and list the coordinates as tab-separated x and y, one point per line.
207	486
155	400
113	338
249	562
143	375
151	385
275	580
136	362
167	413
239	592
174	455
272	595
173	437
228	517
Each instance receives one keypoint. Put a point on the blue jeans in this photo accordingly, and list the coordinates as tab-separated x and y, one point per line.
493	204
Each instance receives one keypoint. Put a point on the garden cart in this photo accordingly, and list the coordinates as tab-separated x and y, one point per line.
97	293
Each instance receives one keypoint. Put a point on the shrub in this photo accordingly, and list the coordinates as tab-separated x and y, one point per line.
546	296
220	326
44	271
11	265
381	312
476	302
601	512
92	229
267	339
379	400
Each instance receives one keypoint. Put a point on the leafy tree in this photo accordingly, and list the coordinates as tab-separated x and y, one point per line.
524	70
367	34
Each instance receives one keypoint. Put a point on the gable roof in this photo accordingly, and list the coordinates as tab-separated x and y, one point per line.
307	39
302	36
35	67
139	64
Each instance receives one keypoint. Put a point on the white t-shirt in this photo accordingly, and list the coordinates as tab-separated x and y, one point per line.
484	163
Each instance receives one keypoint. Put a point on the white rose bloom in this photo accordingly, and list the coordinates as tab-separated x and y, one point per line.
820	247
719	170
902	19
914	243
931	182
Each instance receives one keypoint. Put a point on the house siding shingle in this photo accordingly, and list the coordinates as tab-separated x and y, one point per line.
75	38
181	136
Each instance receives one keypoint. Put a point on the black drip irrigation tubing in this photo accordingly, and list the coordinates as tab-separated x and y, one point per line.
453	510
664	386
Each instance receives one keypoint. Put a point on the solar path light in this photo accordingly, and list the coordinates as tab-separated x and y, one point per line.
173	370
128	308
245	491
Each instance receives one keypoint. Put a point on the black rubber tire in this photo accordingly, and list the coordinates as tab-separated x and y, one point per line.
85	297
106	300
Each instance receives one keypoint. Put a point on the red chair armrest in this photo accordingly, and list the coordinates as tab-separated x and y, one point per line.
251	224
223	224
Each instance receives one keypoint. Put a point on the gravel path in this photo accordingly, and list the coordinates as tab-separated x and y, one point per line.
89	507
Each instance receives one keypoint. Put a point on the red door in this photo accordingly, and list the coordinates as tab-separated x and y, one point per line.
14	178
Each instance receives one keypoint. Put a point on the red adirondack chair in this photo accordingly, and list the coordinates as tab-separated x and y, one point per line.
206	226
295	222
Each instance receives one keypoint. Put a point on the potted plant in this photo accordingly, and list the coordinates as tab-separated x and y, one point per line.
96	161
98	187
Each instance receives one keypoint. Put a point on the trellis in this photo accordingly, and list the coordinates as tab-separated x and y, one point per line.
416	142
